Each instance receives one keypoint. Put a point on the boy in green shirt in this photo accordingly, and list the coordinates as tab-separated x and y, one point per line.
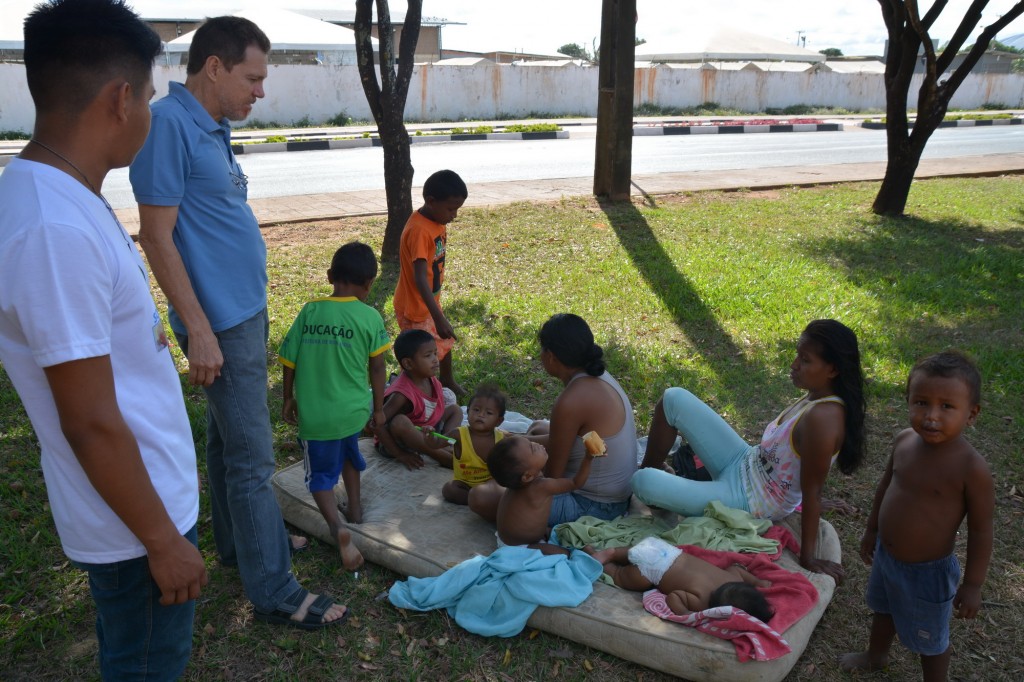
325	356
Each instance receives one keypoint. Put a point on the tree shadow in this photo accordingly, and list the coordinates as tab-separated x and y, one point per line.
690	313
938	284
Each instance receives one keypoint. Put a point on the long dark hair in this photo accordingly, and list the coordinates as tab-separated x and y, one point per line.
569	338
838	346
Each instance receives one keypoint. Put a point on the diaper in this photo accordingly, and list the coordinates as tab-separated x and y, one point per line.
653	556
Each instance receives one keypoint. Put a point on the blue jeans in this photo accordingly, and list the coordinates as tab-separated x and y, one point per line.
721	449
571	506
139	639
248	529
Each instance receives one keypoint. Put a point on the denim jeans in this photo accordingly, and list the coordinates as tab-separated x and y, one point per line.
571	506
248	529
139	639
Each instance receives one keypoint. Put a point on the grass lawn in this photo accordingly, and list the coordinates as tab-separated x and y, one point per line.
708	291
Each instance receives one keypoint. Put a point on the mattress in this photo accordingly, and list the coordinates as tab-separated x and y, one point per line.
409	528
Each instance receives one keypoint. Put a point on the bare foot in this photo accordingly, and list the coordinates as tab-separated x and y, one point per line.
299	543
602	555
862	661
332	614
351	558
353	512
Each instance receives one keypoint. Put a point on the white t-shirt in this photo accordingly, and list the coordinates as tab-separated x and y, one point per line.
73	286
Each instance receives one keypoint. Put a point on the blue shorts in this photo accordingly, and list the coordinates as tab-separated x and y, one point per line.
324	460
918	596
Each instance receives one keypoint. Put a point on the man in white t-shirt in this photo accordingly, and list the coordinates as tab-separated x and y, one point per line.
84	346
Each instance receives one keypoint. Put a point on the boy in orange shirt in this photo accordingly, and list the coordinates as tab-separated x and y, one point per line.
421	267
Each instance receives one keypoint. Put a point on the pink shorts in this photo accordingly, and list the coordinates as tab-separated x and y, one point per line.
444	346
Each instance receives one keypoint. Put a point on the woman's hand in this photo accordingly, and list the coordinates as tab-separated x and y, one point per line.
825	566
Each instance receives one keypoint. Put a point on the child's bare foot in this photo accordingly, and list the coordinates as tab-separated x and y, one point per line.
353	512
862	661
351	558
602	555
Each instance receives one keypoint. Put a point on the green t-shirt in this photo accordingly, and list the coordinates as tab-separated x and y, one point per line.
329	346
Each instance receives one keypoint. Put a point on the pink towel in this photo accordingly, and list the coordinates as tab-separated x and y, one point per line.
790	594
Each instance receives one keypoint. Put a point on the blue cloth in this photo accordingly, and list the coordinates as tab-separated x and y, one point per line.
323	460
139	639
719	447
248	528
187	162
918	596
495	595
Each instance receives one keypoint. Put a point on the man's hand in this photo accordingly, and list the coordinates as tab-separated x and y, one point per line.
867	546
178	571
204	358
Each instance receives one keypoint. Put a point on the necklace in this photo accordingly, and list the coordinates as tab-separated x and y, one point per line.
68	162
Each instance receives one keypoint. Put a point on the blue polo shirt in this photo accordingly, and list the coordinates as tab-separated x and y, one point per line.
187	162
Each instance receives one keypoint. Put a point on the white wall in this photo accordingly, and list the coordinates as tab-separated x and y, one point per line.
488	91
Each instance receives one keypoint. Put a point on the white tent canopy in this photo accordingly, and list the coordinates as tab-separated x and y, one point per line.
725	44
289	31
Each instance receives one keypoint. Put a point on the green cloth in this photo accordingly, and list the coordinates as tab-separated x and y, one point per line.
721	528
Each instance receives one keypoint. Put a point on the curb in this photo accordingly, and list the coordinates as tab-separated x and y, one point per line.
321	145
872	125
641	131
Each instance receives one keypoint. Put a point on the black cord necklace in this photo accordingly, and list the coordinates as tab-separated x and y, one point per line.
68	162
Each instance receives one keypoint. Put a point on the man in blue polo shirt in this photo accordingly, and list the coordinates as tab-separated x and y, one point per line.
209	257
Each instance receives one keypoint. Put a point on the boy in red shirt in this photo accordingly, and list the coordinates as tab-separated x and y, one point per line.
422	261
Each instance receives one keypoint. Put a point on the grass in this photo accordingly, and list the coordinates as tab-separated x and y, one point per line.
704	290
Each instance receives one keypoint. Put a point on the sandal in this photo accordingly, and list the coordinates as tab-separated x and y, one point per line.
314	619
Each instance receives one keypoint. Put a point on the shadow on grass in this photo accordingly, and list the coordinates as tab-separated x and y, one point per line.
691	315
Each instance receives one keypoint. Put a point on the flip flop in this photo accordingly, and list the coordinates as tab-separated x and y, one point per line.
314	619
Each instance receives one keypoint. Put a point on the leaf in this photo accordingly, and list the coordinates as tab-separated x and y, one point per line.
364	656
588	665
533	634
507	658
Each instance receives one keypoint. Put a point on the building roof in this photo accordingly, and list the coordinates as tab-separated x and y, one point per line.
725	44
289	31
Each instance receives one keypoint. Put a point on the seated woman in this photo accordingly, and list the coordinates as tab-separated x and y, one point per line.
592	400
789	466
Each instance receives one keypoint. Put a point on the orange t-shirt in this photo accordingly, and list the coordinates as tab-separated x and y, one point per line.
422	239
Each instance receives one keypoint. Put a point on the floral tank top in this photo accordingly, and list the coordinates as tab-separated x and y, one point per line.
771	472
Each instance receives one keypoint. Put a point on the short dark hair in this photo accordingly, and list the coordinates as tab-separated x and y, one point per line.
569	338
950	364
226	38
743	596
506	468
354	263
410	341
489	391
75	47
444	184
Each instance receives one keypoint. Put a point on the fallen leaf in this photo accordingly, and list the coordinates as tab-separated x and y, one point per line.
588	665
507	658
209	629
364	656
533	634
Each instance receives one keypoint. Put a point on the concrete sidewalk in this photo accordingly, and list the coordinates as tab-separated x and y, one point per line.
310	207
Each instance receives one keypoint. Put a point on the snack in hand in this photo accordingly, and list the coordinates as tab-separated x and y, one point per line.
594	444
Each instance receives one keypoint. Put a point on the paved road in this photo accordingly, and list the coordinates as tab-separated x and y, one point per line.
303	173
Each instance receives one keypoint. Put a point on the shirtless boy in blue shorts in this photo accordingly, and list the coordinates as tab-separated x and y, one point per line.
933	479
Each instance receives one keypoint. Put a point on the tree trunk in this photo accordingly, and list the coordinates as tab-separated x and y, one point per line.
614	146
398	173
891	199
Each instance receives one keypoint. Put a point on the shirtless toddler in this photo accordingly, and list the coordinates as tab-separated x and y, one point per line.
518	464
933	479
